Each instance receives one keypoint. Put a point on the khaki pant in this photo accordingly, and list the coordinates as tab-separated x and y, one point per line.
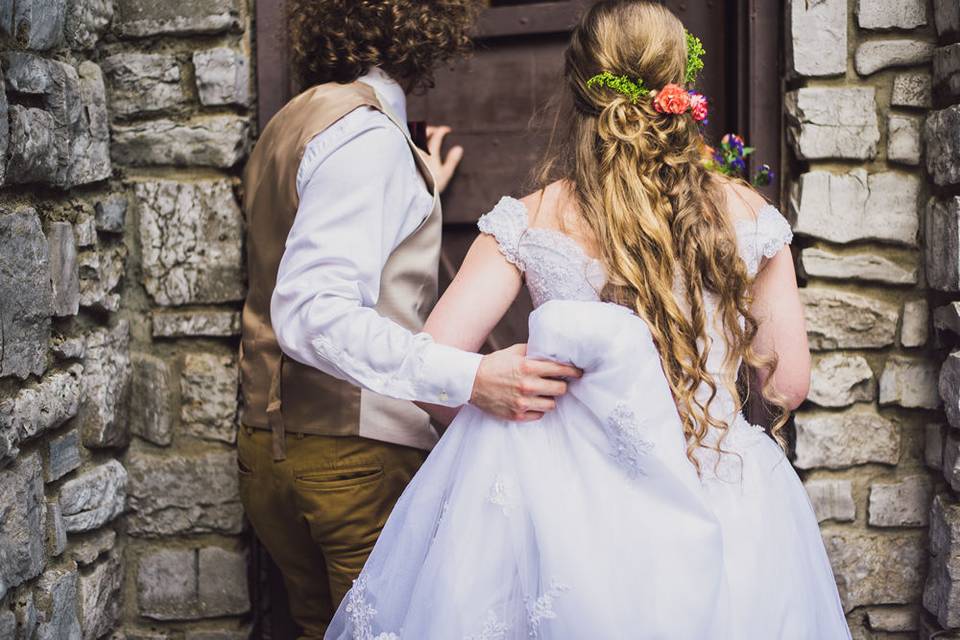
320	511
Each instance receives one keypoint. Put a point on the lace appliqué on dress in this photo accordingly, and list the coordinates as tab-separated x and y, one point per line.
629	445
503	494
493	629
362	613
542	608
506	222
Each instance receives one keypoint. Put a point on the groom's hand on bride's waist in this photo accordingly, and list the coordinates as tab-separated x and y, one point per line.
511	386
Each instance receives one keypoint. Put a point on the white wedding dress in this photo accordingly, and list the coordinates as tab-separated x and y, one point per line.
592	524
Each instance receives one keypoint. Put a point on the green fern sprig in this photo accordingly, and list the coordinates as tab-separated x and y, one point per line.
695	53
620	84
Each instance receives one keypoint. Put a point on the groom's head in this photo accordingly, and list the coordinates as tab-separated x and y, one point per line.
340	40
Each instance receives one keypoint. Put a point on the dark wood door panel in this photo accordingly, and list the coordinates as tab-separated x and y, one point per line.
494	165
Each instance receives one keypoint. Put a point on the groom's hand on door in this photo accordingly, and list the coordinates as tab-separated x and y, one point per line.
513	387
442	168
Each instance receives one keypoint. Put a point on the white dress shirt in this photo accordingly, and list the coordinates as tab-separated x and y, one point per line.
361	195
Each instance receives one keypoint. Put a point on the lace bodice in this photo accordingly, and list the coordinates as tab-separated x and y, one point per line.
557	268
554	265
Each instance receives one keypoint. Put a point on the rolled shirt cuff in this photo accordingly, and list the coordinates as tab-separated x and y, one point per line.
448	375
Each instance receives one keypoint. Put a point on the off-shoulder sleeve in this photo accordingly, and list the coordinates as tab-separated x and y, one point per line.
506	222
764	237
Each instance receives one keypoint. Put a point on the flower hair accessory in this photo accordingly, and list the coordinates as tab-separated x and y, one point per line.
620	84
695	53
672	99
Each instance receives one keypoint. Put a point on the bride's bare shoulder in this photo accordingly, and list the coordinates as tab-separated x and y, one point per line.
740	201
547	207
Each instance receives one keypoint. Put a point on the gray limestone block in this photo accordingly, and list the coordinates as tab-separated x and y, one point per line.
208	141
102	270
222	582
876	569
912	89
66	143
151	417
873	55
86	21
909	382
32	138
832	122
89	157
106	384
56	529
111	213
942	589
139	18
183	494
56	596
100	598
941	133
817	37
904	135
63	455
64	271
192	237
211	323
26	292
865	266
848	207
223	76
22	522
839	440
141	83
949	387
86	548
942	247
832	500
839	319
94	497
905	503
43	405
946	71
167	584
891	14
840	379
946	14
209	388
34	24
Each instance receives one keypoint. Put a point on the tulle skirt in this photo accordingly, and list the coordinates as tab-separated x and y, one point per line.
574	527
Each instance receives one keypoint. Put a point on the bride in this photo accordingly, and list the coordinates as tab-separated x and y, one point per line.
645	505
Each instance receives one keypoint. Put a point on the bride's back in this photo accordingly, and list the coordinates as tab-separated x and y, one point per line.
545	236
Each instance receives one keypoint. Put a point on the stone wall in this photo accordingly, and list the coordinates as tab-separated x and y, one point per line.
869	194
122	127
123	124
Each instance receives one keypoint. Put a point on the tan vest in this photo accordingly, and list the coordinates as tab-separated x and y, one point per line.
279	393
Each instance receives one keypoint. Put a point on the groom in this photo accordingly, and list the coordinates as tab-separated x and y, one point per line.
343	244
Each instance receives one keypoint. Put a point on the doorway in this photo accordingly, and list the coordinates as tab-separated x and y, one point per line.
496	103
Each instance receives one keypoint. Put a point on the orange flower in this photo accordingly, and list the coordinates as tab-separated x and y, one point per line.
672	99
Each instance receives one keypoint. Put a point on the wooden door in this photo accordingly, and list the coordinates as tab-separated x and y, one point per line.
497	100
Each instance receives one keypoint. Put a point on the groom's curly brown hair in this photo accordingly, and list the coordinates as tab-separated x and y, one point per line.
340	40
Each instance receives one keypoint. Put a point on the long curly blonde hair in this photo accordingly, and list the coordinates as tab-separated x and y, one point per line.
639	182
